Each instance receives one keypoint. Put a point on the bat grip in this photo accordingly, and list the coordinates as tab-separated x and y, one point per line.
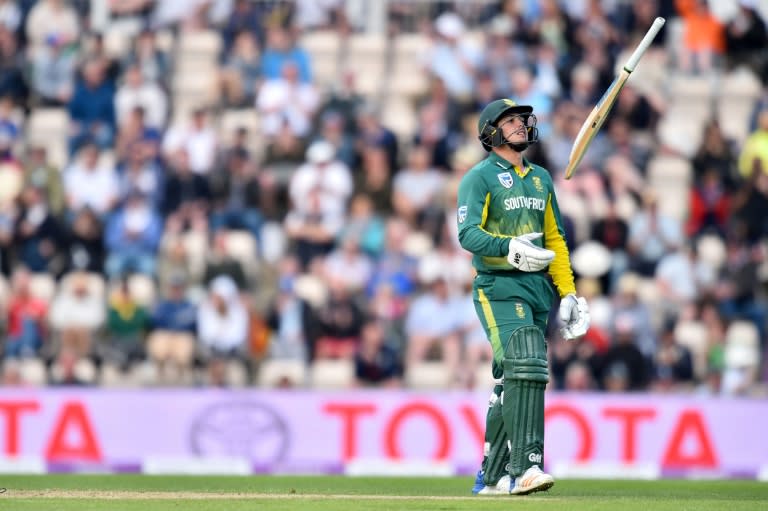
644	44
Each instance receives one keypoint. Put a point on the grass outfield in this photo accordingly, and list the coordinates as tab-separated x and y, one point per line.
316	493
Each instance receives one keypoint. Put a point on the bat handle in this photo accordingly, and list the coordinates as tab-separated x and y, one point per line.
644	44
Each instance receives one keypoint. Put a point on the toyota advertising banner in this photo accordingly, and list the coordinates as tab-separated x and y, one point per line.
327	432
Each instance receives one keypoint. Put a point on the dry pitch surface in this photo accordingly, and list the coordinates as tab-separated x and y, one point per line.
193	493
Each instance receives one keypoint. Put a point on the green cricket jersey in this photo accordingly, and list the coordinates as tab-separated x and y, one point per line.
498	201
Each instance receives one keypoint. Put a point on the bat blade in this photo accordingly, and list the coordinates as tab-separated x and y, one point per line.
599	113
594	122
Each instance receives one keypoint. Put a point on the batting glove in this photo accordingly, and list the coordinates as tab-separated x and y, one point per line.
525	256
574	313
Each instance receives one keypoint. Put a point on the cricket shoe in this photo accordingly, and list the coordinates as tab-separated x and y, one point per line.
532	480
479	483
500	488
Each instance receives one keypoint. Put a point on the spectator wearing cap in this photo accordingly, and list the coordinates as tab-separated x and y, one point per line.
132	237
223	324
326	175
318	193
92	108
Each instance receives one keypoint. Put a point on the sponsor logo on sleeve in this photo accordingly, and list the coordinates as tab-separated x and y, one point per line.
462	214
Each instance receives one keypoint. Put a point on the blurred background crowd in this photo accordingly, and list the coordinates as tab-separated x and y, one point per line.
263	193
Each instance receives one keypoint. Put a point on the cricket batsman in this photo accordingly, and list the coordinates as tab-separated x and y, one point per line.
509	220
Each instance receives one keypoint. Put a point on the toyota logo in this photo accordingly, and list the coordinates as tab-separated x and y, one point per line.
246	429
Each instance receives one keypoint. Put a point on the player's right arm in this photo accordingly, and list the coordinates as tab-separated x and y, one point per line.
473	203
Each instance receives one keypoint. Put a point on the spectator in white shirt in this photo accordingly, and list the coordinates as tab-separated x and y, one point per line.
222	320
322	173
88	184
197	138
349	265
287	100
77	312
417	187
136	91
52	19
453	58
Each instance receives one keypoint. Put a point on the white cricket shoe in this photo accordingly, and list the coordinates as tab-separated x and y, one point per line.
500	488
532	480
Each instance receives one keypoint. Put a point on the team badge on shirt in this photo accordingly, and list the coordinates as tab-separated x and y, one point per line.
537	184
462	214
505	178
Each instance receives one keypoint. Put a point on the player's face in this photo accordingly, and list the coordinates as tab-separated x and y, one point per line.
514	128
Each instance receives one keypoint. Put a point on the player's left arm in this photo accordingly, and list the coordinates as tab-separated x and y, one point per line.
554	240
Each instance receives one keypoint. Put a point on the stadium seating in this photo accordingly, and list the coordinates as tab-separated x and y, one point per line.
331	374
282	372
428	375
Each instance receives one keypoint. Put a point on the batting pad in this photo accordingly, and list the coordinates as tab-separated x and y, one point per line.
497	458
525	377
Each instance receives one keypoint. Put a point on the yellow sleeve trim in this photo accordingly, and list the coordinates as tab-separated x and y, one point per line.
560	267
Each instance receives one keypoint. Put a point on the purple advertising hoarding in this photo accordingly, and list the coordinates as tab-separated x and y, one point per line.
279	431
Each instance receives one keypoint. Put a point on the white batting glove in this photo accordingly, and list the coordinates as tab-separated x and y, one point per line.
574	313
525	256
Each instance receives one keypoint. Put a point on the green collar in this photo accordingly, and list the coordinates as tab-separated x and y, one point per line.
504	164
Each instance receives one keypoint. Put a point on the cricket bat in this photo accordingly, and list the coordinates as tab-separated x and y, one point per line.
598	114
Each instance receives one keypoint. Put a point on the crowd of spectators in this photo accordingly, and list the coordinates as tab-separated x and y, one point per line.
157	249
